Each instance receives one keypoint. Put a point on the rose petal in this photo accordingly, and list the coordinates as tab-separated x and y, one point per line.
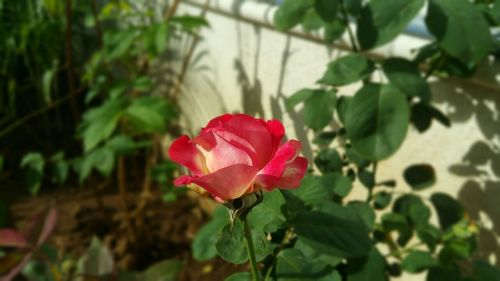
185	152
293	174
277	131
253	132
227	183
224	154
273	171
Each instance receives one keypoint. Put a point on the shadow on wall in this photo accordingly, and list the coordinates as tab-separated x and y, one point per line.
251	90
480	165
199	97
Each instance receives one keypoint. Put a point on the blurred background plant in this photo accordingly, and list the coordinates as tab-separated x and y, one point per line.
78	104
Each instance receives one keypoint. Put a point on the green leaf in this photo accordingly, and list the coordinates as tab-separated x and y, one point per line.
155	38
239	276
444	274
34	165
413	208
353	7
342	106
203	246
341	185
377	121
312	190
318	109
99	123
448	209
190	23
369	268
311	21
297	98
167	270
382	20
420	176
230	244
356	158
326	9
406	77
430	235
292	265
37	270
347	69
1	163
267	216
393	221
333	31
291	12
465	36
354	211
324	138
381	200
328	160
97	261
148	114
331	234
417	261
366	178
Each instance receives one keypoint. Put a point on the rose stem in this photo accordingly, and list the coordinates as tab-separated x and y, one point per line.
250	250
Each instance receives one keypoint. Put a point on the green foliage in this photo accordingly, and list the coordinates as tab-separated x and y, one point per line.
377	121
347	69
382	20
34	164
465	36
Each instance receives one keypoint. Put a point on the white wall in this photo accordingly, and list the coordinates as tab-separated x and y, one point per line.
246	66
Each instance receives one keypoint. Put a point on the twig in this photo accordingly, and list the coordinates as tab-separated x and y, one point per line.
123	196
171	10
69	60
33	114
180	79
348	26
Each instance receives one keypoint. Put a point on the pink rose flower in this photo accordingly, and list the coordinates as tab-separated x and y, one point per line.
237	154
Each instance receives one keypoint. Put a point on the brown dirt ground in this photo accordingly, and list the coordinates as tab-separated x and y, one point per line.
165	230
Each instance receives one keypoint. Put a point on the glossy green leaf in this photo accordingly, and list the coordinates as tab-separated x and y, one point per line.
381	200
203	246
369	268
292	265
465	36
347	69
230	243
312	190
327	9
417	261
319	108
340	184
430	235
324	138
291	12
267	216
311	21
420	176
355	211
448	209
377	121
331	234
406	77
333	31
298	97
328	160
382	20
